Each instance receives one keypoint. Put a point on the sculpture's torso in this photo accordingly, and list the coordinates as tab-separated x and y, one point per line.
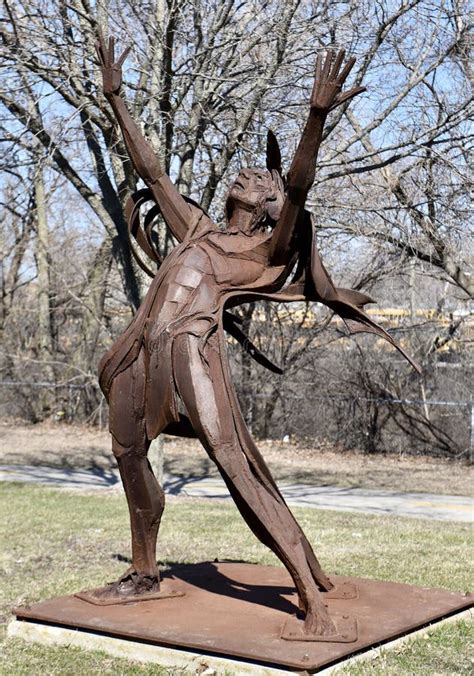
198	274
187	296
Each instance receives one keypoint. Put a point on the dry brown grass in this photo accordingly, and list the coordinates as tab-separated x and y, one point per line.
81	446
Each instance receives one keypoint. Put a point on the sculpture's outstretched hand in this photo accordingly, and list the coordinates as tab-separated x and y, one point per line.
328	81
111	69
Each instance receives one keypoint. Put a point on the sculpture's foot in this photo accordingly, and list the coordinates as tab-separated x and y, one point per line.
130	588
316	623
315	627
129	584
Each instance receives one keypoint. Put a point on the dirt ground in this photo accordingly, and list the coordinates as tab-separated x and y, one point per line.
87	447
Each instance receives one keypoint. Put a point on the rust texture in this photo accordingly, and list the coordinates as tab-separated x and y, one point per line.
168	372
251	612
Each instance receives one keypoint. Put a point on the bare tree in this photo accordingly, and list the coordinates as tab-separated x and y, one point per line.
201	71
17	216
409	159
206	80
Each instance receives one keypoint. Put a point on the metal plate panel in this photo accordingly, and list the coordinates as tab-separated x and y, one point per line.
240	610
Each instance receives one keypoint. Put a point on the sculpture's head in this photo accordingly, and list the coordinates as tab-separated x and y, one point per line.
259	191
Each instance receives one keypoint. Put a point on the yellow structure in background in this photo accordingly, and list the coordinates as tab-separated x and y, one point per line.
307	317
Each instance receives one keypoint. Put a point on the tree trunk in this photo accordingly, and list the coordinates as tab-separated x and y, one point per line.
93	314
44	333
44	329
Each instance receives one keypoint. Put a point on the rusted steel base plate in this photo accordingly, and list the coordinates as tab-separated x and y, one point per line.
241	611
344	590
93	596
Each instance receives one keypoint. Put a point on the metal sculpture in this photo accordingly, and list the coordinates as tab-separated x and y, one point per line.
168	372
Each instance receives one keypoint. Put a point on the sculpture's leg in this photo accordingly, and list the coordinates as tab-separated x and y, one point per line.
201	388
144	495
322	581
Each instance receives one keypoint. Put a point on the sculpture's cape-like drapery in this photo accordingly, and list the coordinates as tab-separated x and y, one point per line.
311	282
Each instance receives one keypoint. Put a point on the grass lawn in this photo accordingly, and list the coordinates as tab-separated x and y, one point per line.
58	542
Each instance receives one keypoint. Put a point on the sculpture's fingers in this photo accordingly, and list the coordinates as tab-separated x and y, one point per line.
327	64
98	49
337	63
112	49
346	96
123	56
100	46
317	76
346	70
319	68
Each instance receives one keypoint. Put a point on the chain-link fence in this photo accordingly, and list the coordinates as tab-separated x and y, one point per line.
403	426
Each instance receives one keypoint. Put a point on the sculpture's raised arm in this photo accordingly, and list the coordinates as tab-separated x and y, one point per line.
174	208
326	96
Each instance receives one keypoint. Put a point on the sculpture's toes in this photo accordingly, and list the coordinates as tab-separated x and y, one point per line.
318	623
130	588
133	584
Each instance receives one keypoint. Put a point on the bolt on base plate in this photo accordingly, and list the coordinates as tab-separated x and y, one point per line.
343	590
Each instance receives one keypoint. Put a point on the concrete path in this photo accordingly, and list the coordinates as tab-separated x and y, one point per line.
418	505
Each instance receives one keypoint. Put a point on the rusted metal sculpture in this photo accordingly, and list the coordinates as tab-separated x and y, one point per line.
168	372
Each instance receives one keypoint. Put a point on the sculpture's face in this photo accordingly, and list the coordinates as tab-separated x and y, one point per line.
251	187
255	190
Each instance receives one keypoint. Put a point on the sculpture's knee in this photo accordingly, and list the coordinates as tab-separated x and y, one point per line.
128	432
118	450
230	458
137	450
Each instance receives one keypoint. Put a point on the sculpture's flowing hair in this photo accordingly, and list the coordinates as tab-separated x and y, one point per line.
141	233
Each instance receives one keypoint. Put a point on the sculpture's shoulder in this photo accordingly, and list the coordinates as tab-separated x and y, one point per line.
238	245
237	260
200	222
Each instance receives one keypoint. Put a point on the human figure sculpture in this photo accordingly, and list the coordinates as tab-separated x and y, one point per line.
168	372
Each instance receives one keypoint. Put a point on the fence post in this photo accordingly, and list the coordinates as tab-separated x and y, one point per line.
471	453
